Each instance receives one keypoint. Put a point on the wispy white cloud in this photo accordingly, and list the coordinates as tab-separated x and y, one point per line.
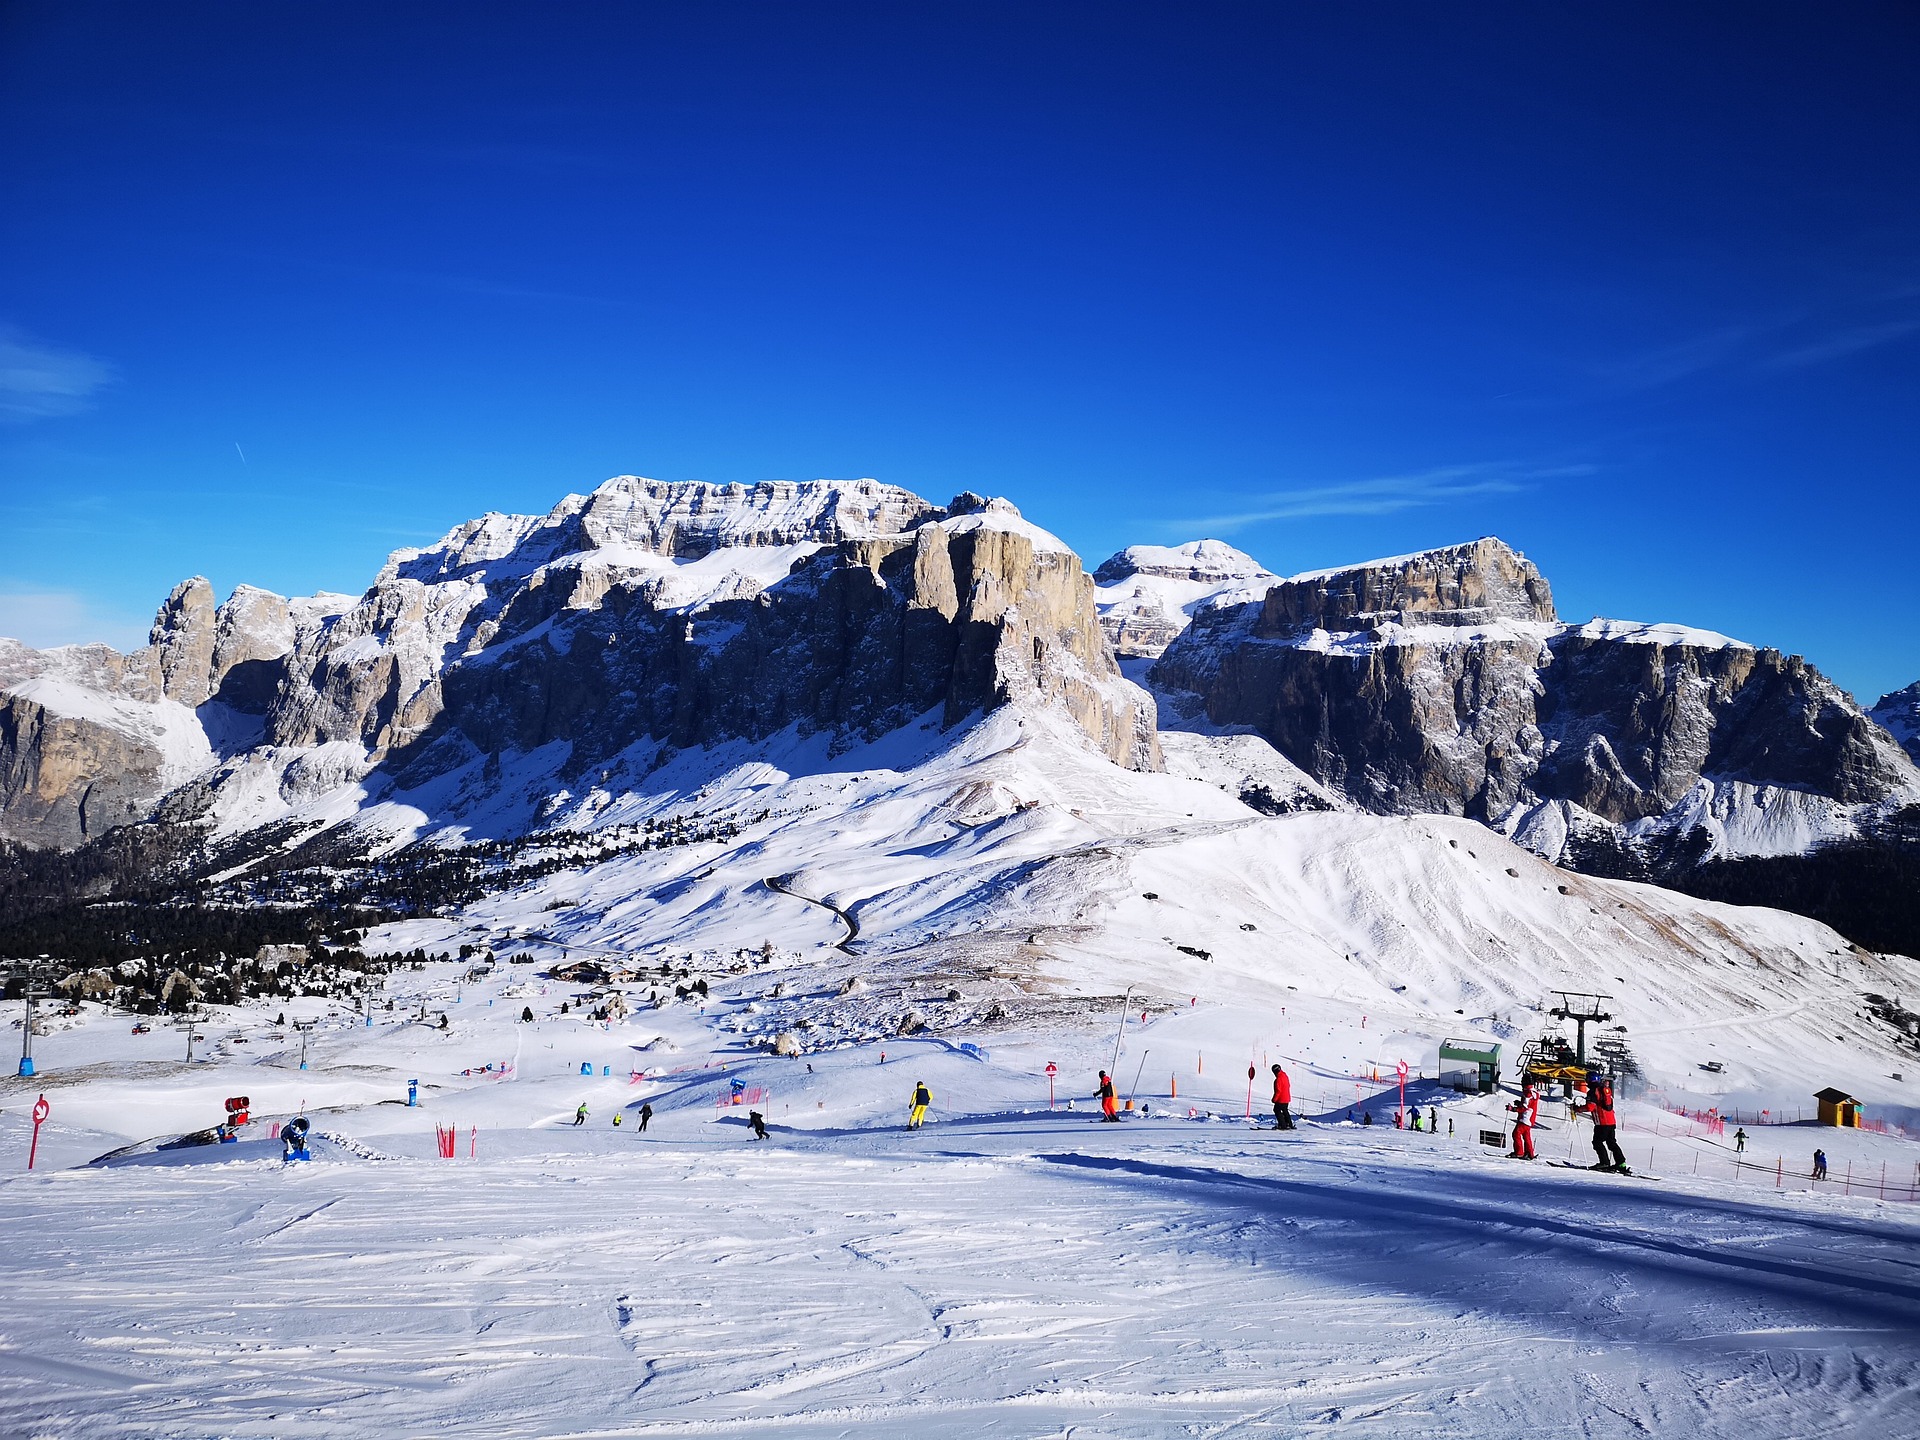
1790	340
1384	494
38	380
46	618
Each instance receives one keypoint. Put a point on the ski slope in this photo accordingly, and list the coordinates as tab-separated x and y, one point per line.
1015	1269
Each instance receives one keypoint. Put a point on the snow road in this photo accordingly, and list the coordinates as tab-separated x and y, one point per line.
1016	1275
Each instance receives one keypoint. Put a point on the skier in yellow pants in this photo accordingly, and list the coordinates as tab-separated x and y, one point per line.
922	1098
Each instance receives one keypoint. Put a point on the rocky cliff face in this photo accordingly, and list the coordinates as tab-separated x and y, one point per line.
1899	715
680	614
1445	682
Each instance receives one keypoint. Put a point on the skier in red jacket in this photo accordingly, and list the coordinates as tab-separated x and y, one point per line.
1600	1107
1106	1100
1526	1111
1282	1098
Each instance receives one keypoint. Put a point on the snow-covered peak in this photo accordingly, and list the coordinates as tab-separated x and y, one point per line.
682	519
1633	632
1209	562
970	513
1147	594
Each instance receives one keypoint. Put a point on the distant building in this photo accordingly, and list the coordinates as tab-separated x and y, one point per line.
1470	1065
1838	1108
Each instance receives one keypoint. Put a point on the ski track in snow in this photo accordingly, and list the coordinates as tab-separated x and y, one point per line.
993	1277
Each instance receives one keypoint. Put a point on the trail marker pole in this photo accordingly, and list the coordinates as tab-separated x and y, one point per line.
1403	1089
1052	1070
40	1108
1251	1072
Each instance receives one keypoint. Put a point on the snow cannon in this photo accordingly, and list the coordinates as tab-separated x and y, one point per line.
293	1139
237	1108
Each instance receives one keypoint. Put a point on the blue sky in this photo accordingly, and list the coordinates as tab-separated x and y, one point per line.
283	287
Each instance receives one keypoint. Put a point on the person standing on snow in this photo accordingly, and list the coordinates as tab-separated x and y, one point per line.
1739	1142
1282	1099
1819	1164
580	1115
1526	1110
1433	1119
646	1114
1109	1115
922	1098
1606	1145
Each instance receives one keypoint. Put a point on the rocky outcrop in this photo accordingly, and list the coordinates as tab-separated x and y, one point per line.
679	614
1445	682
91	739
1899	715
967	610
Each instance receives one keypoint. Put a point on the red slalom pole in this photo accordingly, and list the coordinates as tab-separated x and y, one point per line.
1251	1072
40	1108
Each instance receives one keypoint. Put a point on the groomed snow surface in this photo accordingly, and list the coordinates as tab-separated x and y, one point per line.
1008	1270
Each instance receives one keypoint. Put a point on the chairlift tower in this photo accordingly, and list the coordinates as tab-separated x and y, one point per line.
33	973
1583	1009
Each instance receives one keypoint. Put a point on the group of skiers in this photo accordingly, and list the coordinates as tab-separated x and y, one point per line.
1598	1107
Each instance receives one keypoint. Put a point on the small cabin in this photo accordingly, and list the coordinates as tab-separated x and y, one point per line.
1470	1065
1838	1108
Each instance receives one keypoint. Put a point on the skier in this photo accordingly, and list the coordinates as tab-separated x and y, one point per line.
1109	1114
1413	1120
580	1115
759	1123
922	1098
1526	1111
1600	1107
1282	1098
1433	1119
1740	1142
526	1014
646	1114
1819	1164
616	1119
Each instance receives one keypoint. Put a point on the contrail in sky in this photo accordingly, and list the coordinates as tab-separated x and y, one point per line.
243	454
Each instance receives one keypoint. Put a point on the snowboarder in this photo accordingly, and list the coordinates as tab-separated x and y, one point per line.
580	1115
1740	1142
922	1098
1819	1164
1526	1110
1282	1098
759	1123
646	1114
1606	1145
1366	1118
1109	1115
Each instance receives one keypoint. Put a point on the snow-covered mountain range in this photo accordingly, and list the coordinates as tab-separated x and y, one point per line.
558	671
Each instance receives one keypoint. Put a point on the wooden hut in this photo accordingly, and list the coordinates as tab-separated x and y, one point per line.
1838	1108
